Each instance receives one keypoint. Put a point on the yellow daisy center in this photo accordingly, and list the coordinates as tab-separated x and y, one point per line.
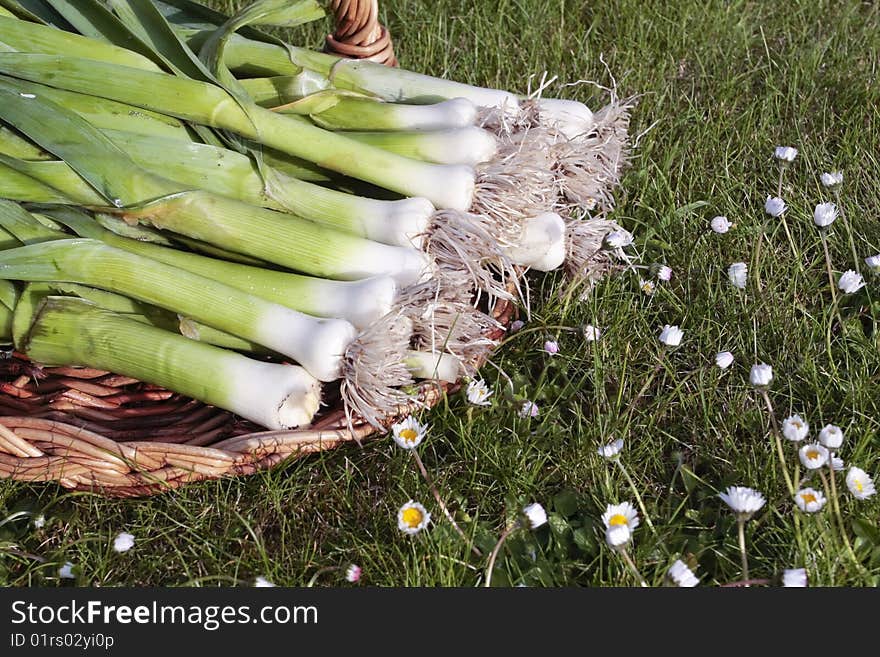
409	435
858	485
617	520
412	517
808	498
796	424
813	454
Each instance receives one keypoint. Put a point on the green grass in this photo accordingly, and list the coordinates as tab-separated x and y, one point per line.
721	83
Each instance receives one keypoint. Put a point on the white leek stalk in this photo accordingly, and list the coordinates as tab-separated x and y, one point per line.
317	344
69	331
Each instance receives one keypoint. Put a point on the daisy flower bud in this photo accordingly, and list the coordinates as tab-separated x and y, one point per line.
813	456
618	239
412	518
536	515
794	577
123	542
831	436
859	483
263	583
66	571
831	179
785	154
850	282
774	206
516	325
824	214
551	347
809	500
528	409
664	273
611	450
795	428
353	573
478	392
720	225
591	333
837	463
761	375
737	273
682	575
724	359
873	263
40	521
671	336
743	501
409	432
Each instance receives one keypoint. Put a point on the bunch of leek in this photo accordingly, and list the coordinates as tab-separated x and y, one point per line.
181	187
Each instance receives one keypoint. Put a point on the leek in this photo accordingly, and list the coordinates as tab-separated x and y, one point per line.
317	344
68	331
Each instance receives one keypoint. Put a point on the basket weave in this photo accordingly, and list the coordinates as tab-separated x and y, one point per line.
97	431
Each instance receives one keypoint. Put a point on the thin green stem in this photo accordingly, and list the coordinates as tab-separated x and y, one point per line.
632	566
490	566
849	232
778	441
830	274
741	533
831	491
441	504
635	491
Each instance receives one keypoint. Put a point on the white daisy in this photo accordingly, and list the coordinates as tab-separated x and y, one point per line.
809	500
831	436
720	225
824	214
412	518
850	282
536	515
40	521
761	375
682	575
66	571
617	239
794	577
409	432
774	206
478	392
611	450
785	154
123	543
795	428
591	333
813	456
353	573
724	359
621	515
859	483
831	179
737	273
648	287
837	463
664	273
873	263
743	501
671	336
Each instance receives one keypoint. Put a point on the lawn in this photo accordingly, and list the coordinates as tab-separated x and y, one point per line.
720	85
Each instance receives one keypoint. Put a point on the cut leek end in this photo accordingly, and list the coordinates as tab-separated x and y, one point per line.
433	365
570	117
273	395
542	245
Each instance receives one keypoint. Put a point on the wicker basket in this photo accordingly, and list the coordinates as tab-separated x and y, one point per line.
97	431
